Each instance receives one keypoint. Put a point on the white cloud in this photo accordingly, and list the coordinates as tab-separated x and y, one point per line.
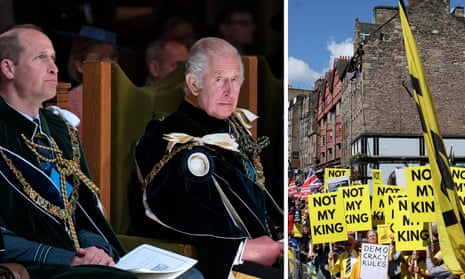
345	48
300	74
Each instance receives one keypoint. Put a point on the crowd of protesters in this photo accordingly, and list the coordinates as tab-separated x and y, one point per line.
325	260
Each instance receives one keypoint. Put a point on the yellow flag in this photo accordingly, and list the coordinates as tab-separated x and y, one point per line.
450	219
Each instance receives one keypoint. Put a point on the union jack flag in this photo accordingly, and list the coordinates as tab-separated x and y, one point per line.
312	179
312	182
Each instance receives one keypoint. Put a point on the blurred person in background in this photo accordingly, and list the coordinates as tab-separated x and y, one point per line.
179	29
162	56
237	26
90	44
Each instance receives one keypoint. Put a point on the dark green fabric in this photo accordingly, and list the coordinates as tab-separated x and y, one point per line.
270	123
132	107
19	214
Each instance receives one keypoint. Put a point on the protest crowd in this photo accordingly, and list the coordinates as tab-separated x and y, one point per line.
346	232
412	226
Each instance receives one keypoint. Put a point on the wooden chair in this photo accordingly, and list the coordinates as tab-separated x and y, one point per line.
115	113
101	122
13	271
114	116
61	99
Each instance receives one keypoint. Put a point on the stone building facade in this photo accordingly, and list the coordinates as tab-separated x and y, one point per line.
303	133
379	122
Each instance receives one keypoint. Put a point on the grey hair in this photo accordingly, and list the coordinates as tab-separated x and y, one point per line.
202	52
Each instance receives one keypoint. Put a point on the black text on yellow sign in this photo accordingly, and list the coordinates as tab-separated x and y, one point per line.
357	208
421	193
326	214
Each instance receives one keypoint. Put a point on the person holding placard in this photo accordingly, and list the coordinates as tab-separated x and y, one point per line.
436	266
417	265
346	261
372	238
395	261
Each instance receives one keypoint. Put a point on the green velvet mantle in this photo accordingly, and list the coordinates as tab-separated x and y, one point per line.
19	214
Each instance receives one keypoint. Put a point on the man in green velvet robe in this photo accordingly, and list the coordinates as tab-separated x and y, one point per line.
50	219
202	174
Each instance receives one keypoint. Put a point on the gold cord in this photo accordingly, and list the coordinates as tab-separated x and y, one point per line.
65	168
250	149
165	159
246	146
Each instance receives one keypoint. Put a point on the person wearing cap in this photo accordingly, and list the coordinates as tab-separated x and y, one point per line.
91	43
201	171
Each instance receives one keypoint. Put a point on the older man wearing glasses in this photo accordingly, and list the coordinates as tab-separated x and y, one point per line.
345	261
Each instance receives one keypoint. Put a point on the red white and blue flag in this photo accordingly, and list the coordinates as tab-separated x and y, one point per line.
311	184
312	180
304	192
292	189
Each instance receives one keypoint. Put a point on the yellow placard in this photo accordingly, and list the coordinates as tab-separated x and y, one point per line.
335	178
397	207
411	237
327	221
357	208
376	177
458	175
420	192
409	234
378	203
297	230
400	210
384	233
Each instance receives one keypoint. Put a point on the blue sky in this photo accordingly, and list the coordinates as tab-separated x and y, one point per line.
319	31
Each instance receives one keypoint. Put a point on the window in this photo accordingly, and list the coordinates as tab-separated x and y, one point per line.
399	147
295	155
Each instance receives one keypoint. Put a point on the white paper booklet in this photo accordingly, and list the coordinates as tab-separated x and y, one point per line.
148	261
